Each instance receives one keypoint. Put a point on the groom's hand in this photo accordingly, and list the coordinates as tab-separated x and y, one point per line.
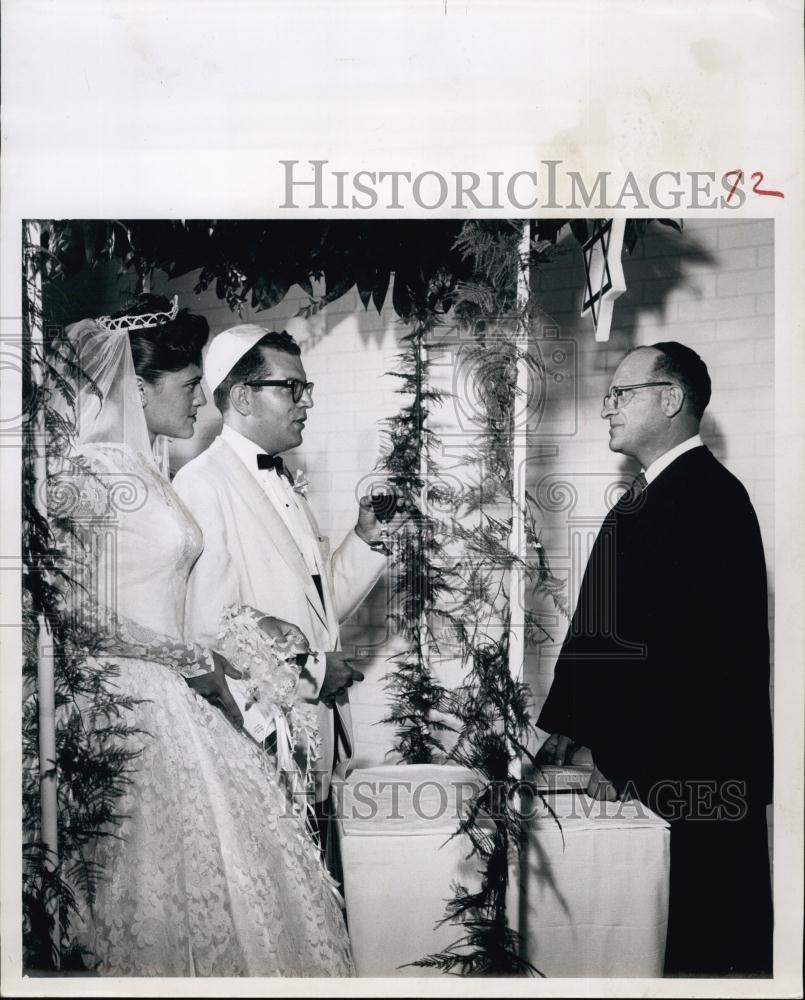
339	674
377	530
214	688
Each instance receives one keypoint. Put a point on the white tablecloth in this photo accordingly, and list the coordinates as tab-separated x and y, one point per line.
593	905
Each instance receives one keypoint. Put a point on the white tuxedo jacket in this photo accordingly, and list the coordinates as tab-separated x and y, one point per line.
250	557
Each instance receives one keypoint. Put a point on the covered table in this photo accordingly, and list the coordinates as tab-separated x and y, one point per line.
592	899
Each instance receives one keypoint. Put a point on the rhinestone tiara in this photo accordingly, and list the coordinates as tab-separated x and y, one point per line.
143	322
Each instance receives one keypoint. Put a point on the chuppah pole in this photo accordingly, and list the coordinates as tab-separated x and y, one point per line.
48	778
517	537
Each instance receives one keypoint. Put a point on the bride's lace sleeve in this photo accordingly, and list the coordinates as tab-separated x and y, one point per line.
78	500
128	638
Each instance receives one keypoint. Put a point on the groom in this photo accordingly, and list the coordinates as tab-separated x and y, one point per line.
262	546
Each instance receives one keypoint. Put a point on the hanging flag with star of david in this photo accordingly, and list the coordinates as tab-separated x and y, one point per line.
603	270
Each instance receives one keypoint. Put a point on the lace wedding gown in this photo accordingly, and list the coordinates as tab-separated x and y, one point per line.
209	873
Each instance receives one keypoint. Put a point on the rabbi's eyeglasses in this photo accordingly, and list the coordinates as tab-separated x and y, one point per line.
613	399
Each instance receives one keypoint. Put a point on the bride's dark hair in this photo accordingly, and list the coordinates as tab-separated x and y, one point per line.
170	345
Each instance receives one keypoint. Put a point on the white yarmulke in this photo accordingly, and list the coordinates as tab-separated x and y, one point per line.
227	349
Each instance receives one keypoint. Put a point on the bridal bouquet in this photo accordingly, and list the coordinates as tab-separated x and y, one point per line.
272	695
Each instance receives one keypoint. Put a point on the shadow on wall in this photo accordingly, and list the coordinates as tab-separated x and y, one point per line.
313	325
664	263
714	437
660	266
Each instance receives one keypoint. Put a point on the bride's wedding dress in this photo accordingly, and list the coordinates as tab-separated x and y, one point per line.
209	872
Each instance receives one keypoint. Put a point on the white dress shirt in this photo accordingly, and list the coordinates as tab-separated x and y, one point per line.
282	497
662	463
281	494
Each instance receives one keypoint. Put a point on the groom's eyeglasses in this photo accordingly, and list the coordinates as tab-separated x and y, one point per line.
297	386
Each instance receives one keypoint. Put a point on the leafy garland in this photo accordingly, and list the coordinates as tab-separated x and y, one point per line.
491	706
420	579
93	760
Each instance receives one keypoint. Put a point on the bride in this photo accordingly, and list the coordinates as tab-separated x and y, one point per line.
210	872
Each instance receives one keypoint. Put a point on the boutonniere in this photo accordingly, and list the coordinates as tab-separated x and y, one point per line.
300	483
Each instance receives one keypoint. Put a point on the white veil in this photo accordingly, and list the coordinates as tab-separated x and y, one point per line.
108	408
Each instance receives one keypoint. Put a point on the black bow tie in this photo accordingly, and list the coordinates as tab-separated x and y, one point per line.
276	463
